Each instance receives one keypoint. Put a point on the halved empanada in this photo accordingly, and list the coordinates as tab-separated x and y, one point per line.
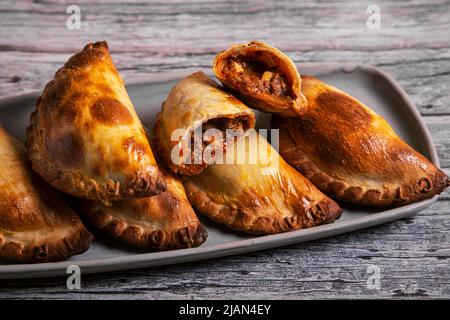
258	192
35	224
352	154
262	76
85	137
161	222
196	102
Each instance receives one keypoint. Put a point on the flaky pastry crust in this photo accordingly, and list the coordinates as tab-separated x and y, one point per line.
352	154
196	101
162	222
35	223
85	137
259	197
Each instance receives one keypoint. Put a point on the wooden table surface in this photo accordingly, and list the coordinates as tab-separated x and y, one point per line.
413	45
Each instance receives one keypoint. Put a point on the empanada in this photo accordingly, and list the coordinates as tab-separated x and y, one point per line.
352	154
85	137
35	224
258	192
261	76
161	222
196	102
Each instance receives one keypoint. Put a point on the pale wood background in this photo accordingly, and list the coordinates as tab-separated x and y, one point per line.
177	36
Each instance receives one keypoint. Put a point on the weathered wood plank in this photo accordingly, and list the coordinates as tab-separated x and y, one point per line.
410	253
425	76
185	36
440	132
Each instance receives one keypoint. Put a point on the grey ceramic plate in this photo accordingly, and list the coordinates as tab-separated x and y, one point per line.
368	84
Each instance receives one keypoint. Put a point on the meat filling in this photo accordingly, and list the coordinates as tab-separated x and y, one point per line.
254	77
239	125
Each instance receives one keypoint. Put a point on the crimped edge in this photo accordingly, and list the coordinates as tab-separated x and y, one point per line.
48	249
189	236
77	184
341	190
324	212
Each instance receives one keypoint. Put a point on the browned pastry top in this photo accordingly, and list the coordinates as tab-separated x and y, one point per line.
35	224
352	153
197	101
161	222
259	192
85	137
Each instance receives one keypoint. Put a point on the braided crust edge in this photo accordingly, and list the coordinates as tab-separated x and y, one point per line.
423	188
188	236
242	219
78	184
49	249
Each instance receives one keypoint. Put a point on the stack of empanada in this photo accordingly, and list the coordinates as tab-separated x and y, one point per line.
86	140
343	147
258	197
356	156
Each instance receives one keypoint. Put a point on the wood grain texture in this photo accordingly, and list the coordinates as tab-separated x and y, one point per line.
147	39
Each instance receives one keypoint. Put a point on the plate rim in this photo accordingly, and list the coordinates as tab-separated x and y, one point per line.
152	259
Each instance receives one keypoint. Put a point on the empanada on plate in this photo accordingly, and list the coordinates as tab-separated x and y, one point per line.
161	222
261	76
258	193
35	224
196	104
352	154
85	137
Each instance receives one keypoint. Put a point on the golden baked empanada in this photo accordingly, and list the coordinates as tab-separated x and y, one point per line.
196	102
352	154
262	76
161	222
260	193
35	224
85	137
